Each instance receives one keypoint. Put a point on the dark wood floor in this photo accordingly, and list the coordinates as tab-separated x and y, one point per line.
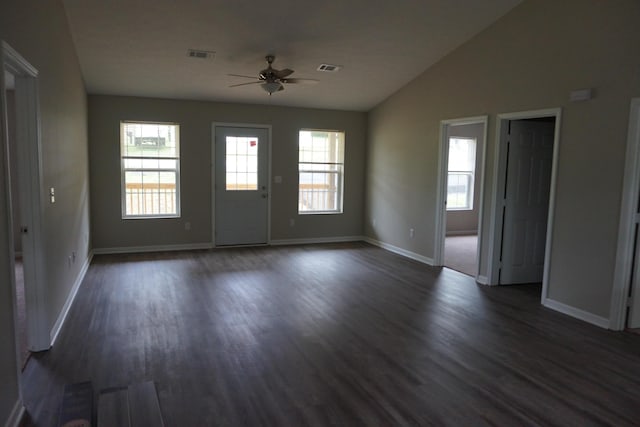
344	334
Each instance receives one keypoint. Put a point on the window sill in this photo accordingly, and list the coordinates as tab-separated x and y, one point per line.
319	212
151	217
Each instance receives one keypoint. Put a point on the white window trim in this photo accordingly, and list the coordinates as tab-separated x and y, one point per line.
123	171
340	173
472	173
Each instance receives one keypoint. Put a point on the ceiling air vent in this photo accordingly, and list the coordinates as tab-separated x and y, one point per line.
328	68
200	54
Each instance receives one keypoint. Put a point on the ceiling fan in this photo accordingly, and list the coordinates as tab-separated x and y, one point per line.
272	80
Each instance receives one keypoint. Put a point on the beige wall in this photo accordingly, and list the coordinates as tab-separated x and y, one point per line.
195	118
530	59
38	30
466	222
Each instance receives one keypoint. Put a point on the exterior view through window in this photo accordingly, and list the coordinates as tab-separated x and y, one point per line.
150	158
461	171
320	171
242	163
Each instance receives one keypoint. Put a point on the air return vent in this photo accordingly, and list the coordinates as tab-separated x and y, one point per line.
328	68
201	54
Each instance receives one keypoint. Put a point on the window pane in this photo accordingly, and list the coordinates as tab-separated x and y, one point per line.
150	193
150	140
462	154
318	191
242	163
459	191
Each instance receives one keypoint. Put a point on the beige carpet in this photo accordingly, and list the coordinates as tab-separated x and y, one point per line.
460	254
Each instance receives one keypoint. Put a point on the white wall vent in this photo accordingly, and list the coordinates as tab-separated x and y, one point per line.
201	54
328	68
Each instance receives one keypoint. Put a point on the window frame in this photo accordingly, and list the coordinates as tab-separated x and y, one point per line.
123	171
339	173
471	174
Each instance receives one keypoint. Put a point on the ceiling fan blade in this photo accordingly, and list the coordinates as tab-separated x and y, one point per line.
300	81
281	74
240	75
244	84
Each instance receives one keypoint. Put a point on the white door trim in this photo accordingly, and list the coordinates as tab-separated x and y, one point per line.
624	253
441	195
29	154
495	234
214	125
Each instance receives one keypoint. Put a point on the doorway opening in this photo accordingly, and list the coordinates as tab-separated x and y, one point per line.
524	189
21	143
14	179
460	191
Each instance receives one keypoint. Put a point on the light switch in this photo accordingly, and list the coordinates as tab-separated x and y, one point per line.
277	179
52	195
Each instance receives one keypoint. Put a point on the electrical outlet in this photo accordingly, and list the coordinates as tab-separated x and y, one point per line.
187	226
292	222
412	233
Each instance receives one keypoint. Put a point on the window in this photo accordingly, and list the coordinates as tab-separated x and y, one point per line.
150	159
320	171
242	163
461	171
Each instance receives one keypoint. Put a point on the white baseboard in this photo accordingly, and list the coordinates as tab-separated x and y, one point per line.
16	415
57	327
159	248
316	240
483	280
577	313
400	251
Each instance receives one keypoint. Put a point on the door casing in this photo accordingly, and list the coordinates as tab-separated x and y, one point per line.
624	254
214	125
441	196
31	185
499	176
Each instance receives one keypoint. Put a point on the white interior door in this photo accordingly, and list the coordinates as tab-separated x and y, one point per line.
241	185
526	209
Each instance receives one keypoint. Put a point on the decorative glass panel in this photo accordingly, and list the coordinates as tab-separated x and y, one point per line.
242	163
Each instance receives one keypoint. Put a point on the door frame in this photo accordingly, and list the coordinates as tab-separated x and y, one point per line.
441	196
214	125
31	184
499	178
620	296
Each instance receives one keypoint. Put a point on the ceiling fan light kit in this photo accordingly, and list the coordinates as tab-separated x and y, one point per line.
271	80
271	87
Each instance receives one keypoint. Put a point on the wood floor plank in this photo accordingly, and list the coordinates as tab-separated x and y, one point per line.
338	334
113	408
144	409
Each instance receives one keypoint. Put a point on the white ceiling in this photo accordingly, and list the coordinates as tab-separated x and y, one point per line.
139	47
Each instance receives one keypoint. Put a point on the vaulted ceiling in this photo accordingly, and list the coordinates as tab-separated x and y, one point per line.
139	47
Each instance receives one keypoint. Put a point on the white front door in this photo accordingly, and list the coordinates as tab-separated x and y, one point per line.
526	209
241	185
